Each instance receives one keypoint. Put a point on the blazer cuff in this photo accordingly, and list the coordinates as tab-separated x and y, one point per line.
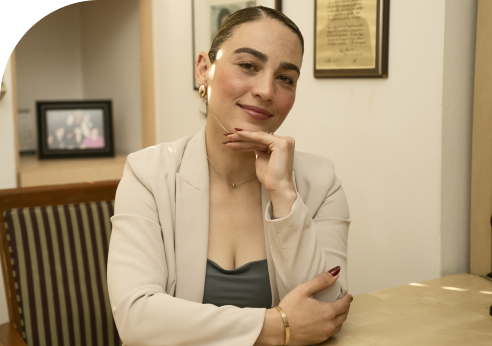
295	209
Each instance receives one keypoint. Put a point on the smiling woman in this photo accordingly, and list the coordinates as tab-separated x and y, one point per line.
230	236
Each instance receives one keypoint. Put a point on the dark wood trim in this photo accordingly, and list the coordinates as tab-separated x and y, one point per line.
56	194
27	197
481	172
385	37
9	336
147	73
278	5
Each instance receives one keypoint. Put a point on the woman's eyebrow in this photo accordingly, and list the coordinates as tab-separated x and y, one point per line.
289	66
264	58
253	52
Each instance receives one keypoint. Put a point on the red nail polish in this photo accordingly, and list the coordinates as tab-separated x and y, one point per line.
334	271
228	134
226	142
238	130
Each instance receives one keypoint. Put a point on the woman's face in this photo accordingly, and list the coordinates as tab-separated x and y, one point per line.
252	84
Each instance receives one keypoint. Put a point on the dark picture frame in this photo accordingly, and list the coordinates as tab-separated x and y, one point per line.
351	38
207	16
74	129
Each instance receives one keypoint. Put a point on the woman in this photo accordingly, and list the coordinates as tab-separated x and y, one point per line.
209	210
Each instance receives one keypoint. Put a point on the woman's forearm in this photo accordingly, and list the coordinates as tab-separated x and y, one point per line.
273	331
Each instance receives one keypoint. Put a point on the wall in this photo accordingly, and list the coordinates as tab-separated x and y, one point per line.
177	103
111	65
7	156
391	140
49	61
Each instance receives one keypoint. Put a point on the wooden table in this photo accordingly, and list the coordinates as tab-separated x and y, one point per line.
453	310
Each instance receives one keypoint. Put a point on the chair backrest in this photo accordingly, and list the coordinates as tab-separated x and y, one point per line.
54	252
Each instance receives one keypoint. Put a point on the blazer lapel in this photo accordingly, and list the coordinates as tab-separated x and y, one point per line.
192	220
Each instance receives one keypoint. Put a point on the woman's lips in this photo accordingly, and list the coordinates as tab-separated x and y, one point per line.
256	112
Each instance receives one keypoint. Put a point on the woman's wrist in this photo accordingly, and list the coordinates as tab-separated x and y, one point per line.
273	331
282	202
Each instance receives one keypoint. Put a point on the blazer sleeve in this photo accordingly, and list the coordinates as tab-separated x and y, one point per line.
307	242
144	312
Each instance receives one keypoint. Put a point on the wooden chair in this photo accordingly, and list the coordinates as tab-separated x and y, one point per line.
53	245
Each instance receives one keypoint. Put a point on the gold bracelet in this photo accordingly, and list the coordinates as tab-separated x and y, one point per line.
286	324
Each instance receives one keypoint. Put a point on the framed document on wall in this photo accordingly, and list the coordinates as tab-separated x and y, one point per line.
351	38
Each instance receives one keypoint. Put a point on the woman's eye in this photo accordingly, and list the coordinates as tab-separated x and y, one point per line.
286	79
247	66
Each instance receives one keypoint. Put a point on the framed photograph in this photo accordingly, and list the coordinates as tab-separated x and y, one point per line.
208	16
72	129
351	38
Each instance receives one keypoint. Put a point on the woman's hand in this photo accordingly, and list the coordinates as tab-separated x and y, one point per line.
274	162
311	321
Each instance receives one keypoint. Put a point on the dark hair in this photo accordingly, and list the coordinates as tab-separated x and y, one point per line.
246	15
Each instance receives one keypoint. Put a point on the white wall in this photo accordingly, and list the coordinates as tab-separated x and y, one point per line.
111	65
399	145
177	103
49	63
7	159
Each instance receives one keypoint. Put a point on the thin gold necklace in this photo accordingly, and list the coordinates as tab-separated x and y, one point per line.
230	182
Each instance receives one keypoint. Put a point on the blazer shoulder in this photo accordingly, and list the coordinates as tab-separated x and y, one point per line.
307	163
315	173
160	157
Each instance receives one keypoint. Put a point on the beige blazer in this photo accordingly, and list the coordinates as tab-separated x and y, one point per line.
158	249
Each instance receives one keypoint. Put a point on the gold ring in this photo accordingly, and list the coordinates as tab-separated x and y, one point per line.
269	133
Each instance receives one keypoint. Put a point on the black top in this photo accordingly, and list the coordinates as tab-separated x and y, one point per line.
246	287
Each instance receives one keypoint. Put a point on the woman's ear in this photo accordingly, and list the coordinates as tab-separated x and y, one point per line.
202	65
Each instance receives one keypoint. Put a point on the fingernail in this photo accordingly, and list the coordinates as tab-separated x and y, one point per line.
228	134
238	130
226	142
334	271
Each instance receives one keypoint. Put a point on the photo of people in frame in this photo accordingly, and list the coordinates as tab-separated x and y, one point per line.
78	129
220	10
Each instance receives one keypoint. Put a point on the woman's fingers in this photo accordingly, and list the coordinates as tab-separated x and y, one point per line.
264	140
320	282
246	146
342	305
257	136
341	318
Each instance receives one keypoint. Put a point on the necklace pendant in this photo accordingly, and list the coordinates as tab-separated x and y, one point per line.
233	185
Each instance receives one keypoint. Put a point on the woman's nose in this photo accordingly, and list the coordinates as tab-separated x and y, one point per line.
264	87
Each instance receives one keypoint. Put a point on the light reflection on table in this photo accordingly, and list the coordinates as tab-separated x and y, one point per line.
452	310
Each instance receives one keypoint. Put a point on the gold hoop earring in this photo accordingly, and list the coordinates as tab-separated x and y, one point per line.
202	91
